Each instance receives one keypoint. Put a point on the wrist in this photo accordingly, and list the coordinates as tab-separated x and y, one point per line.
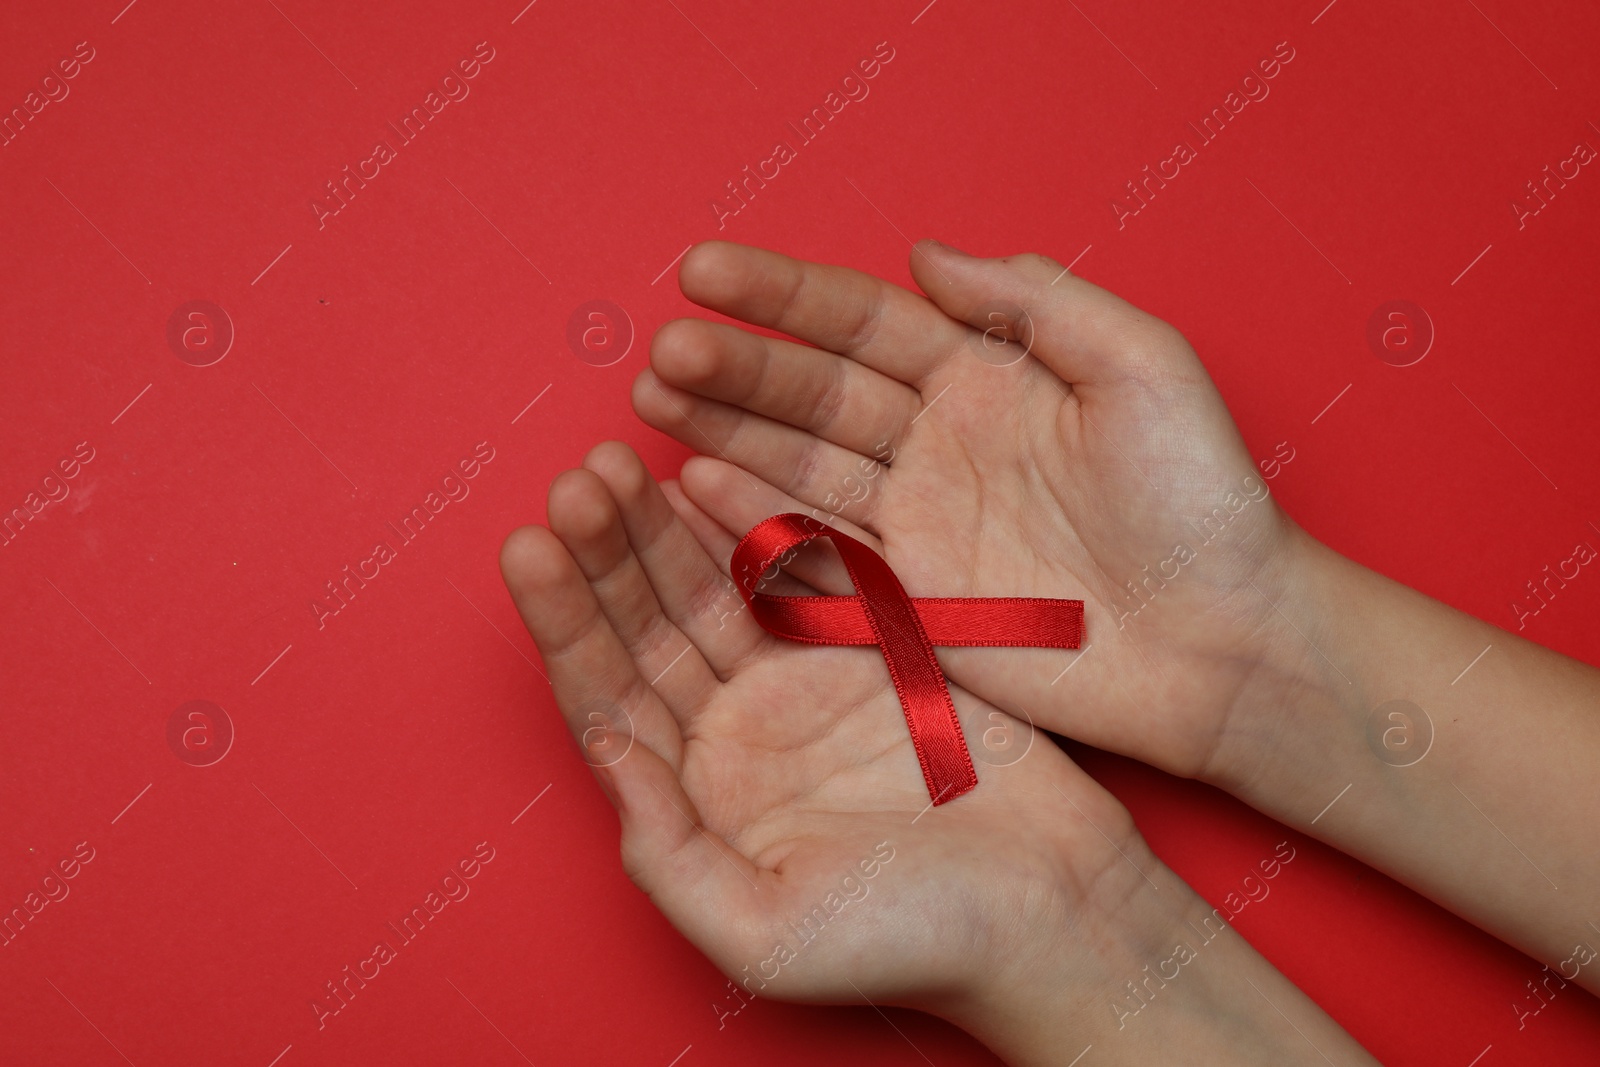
1291	670
1043	1006
1147	972
1428	744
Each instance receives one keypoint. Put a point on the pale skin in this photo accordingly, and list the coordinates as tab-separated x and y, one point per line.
762	772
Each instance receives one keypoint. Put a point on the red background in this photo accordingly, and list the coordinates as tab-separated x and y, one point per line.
373	353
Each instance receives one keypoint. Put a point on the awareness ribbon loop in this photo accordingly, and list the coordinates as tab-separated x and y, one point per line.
905	629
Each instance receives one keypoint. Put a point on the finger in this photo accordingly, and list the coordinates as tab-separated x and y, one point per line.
1085	334
718	543
712	535
707	889
699	599
596	682
834	398
724	492
808	468
880	325
584	516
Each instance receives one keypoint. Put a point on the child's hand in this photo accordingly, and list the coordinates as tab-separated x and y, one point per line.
1104	458
773	808
764	785
1246	654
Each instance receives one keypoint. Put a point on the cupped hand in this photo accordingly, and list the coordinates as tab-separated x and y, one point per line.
770	798
1019	431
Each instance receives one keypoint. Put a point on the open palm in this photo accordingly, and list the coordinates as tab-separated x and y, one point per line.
1075	449
770	799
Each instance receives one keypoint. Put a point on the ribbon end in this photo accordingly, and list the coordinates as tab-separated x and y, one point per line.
960	787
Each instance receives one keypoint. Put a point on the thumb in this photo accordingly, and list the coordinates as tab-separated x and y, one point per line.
1085	334
709	891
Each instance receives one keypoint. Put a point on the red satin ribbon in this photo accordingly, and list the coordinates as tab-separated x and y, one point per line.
905	628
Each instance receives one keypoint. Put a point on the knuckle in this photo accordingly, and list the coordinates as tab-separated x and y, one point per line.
807	469
864	321
831	396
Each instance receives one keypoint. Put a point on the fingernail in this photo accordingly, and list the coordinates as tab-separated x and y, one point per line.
954	249
602	731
